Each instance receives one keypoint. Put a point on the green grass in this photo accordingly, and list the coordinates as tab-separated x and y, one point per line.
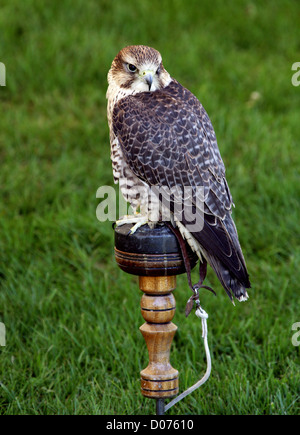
72	317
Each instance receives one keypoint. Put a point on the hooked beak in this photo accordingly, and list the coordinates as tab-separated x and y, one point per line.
148	77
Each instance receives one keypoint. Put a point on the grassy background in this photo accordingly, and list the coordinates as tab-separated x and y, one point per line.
72	317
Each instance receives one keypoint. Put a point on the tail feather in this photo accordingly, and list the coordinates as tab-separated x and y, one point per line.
231	284
235	280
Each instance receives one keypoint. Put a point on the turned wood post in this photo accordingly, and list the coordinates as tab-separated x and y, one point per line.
159	379
155	256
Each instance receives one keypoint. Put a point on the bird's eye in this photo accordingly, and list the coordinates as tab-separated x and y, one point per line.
132	68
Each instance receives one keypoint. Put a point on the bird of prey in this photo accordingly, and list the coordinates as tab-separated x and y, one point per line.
161	135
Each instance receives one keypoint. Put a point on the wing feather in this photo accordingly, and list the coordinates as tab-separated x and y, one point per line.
168	140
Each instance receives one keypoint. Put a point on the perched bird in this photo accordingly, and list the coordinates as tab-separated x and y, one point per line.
161	136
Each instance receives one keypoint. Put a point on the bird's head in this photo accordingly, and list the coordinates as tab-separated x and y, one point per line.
138	68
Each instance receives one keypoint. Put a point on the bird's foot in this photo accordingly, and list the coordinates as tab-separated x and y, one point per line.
137	219
128	219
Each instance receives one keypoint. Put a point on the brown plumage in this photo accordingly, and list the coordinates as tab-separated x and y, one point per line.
162	136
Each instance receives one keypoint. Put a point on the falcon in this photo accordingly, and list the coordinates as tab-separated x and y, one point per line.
161	137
